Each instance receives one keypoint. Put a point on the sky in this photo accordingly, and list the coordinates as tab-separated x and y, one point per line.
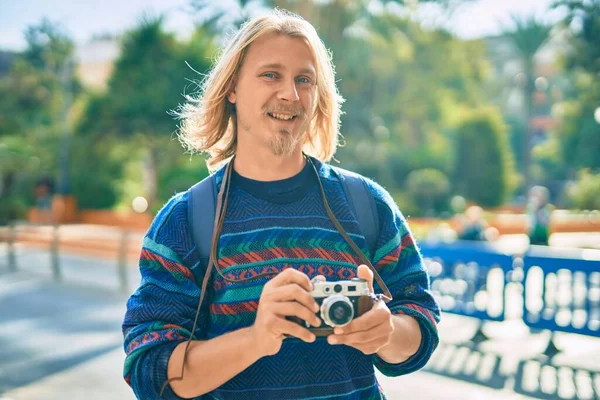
84	18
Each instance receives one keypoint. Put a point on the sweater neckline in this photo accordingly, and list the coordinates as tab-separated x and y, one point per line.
286	190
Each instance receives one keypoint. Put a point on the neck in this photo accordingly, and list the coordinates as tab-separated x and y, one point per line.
265	166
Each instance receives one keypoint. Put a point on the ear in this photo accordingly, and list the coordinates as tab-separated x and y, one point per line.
231	93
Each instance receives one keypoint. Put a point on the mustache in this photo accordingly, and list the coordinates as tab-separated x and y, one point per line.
298	111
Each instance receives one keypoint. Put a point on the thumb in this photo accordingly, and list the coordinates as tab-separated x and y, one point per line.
365	273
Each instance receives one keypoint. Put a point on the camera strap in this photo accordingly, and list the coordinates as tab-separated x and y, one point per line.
387	296
200	217
217	222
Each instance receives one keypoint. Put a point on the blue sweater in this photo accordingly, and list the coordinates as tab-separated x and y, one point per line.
271	226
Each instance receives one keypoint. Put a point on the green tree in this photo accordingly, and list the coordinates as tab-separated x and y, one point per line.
578	131
584	194
149	79
403	86
48	47
34	110
483	165
429	188
106	157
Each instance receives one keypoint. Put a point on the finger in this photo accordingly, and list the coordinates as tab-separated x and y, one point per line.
369	347
294	309
293	329
368	320
293	292
364	272
291	275
380	333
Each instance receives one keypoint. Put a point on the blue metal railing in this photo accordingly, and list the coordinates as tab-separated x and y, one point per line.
468	278
562	290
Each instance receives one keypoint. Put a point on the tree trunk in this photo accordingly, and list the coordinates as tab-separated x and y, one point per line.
7	211
6	185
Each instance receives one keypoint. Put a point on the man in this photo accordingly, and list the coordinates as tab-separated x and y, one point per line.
271	105
539	212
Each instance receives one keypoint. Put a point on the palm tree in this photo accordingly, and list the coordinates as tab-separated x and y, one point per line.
527	38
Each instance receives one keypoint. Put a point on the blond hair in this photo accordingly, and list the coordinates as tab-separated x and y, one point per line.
209	121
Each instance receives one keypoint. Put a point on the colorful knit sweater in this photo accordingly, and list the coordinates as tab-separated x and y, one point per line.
271	226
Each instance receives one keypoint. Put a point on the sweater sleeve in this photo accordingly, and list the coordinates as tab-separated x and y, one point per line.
398	261
160	313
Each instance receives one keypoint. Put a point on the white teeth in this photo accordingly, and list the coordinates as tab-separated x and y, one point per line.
284	117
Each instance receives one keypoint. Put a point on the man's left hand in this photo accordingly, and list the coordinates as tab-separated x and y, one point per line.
371	331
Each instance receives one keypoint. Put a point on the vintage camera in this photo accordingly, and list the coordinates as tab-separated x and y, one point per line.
339	303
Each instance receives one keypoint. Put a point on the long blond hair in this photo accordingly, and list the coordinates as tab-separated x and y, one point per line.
208	121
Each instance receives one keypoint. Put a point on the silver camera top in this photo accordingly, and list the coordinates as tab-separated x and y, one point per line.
354	287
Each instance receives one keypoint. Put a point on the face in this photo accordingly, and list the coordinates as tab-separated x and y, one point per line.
274	93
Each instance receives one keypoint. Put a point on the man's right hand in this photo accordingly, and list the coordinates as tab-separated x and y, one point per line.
285	295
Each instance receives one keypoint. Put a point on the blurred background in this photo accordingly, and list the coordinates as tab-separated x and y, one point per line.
481	118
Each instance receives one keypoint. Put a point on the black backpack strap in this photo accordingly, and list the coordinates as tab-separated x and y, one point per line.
362	204
202	206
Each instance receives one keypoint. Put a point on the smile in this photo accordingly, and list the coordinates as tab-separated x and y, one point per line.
282	117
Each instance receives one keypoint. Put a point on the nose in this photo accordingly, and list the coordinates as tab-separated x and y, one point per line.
288	91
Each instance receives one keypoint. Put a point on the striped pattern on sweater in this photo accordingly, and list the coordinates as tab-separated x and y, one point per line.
261	236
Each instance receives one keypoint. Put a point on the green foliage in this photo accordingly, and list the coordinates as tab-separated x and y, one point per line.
429	188
32	95
584	194
180	175
33	102
28	99
406	204
12	208
578	132
149	79
517	128
583	19
578	135
406	89
146	82
549	168
483	165
48	47
97	190
17	162
404	85
528	36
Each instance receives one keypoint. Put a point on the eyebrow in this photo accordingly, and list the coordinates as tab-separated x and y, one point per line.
280	67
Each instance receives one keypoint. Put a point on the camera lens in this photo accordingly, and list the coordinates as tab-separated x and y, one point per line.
337	310
340	313
337	288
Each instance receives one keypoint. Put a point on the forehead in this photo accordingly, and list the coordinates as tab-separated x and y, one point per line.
289	52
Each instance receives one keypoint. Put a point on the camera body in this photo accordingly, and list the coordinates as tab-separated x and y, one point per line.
339	303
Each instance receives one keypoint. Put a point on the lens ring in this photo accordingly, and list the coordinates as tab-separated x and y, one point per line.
337	310
340	313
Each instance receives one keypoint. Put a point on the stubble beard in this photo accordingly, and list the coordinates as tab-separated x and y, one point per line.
284	143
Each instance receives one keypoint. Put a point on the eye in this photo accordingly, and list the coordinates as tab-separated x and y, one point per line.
303	80
270	75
